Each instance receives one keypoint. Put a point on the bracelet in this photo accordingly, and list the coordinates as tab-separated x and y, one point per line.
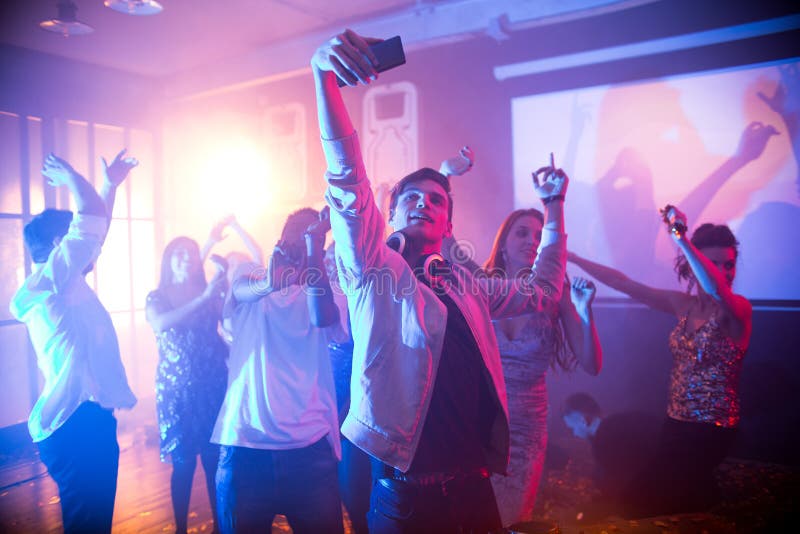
553	198
678	229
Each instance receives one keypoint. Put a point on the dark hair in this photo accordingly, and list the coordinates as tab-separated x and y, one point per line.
40	232
293	224
198	277
294	228
496	264
425	173
705	236
584	404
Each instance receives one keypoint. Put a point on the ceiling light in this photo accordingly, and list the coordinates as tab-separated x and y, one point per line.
65	23
135	7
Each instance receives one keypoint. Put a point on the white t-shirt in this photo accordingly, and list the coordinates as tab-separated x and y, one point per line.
280	382
72	333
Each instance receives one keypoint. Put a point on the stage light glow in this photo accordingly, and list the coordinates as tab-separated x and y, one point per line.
233	176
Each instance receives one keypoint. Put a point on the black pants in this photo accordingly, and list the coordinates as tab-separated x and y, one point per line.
680	478
82	456
462	506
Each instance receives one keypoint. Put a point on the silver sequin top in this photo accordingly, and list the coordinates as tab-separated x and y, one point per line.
704	382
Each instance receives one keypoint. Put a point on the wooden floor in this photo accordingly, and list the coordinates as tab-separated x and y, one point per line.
757	497
29	497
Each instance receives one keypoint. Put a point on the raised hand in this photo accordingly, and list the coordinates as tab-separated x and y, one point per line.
784	100
220	263
754	140
216	234
116	172
284	264
549	182
582	292
458	165
315	233
348	56
57	171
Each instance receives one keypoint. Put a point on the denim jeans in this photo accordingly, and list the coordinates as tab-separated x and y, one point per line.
255	484
355	481
82	456
458	507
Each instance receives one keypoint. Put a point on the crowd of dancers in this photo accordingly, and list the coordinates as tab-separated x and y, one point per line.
393	376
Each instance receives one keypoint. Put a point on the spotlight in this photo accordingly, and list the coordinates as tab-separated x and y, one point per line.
134	7
65	23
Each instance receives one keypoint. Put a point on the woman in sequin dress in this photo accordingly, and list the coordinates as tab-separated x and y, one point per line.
192	374
529	345
708	346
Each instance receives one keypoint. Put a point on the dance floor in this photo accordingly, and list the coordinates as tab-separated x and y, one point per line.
29	500
29	497
757	496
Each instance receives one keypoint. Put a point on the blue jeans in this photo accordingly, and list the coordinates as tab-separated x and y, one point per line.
82	456
461	506
355	481
255	484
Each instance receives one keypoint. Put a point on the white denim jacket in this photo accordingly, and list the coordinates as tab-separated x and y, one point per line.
398	324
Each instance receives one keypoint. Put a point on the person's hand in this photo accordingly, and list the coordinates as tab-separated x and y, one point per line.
754	140
284	264
216	234
582	292
348	56
458	165
217	286
220	263
549	182
119	168
783	100
316	231
57	171
675	220
231	221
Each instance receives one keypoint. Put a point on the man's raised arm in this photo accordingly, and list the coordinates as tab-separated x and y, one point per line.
60	173
114	174
357	224
348	57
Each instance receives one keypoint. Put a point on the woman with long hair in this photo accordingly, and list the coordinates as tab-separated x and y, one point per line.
192	373
708	346
529	346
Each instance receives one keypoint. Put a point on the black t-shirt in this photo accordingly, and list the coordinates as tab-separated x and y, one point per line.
456	431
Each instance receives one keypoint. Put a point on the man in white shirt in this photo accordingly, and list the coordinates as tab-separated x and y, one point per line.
278	426
76	346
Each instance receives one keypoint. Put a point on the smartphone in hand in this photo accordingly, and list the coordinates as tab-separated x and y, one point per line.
389	53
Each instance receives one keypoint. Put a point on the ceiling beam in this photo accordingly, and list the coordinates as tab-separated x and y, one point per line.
647	48
420	26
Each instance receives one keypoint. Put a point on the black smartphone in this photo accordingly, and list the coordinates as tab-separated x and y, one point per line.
390	54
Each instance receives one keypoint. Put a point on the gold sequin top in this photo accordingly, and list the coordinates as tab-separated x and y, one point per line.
704	382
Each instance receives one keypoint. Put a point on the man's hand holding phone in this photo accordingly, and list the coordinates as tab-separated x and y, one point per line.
354	59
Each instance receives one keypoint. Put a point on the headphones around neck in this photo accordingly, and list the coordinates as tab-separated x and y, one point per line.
431	268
